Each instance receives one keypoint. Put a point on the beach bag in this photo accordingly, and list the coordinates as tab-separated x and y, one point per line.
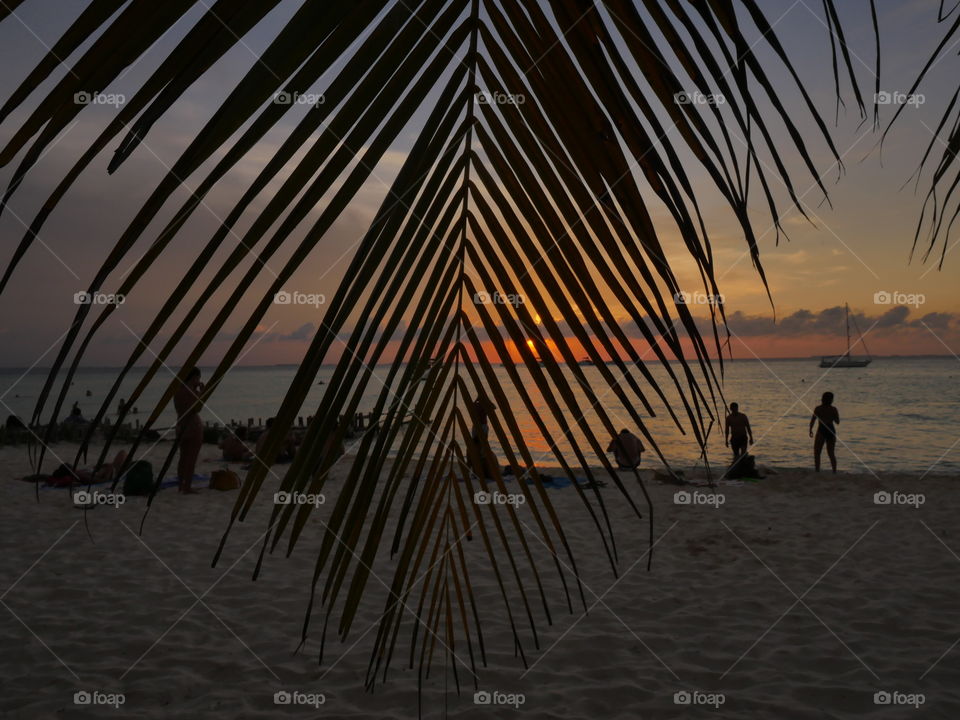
224	480
139	479
744	466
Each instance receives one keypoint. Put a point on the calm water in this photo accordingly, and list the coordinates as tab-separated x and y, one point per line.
897	414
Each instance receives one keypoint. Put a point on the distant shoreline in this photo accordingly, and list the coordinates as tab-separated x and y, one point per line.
293	366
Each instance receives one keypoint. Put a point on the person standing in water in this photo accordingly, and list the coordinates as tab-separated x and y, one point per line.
826	418
189	427
737	432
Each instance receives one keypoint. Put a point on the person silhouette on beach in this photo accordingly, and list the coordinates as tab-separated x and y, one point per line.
826	418
189	427
627	450
737	432
481	428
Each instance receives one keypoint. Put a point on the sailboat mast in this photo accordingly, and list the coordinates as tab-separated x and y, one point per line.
847	308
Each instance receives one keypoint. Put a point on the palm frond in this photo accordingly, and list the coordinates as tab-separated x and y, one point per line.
549	196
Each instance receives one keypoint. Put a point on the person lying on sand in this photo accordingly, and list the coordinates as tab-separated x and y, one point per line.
737	431
107	472
627	449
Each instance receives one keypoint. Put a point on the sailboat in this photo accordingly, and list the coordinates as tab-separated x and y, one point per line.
846	360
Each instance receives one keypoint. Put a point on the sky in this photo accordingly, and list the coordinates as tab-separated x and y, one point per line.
853	250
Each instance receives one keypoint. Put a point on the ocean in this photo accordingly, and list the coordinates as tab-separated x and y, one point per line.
898	414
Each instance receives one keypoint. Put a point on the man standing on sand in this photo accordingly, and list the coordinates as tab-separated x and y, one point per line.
737	432
627	449
189	427
826	418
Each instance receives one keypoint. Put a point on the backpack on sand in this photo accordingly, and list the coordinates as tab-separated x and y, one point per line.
138	479
224	480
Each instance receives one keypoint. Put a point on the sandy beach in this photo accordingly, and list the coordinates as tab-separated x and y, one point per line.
799	592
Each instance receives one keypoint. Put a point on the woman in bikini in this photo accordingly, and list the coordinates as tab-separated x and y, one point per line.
189	427
826	418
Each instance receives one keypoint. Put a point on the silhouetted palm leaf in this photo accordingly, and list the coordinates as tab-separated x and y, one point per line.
938	214
549	199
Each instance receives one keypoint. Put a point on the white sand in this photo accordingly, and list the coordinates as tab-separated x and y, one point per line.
879	590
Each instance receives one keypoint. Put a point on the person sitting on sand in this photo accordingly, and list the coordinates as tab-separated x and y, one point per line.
234	448
627	449
737	431
287	451
189	427
75	417
826	417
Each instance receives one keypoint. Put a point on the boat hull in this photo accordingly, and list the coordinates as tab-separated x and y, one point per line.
843	362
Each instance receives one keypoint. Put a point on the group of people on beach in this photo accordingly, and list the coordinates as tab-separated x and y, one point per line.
626	447
186	401
738	435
